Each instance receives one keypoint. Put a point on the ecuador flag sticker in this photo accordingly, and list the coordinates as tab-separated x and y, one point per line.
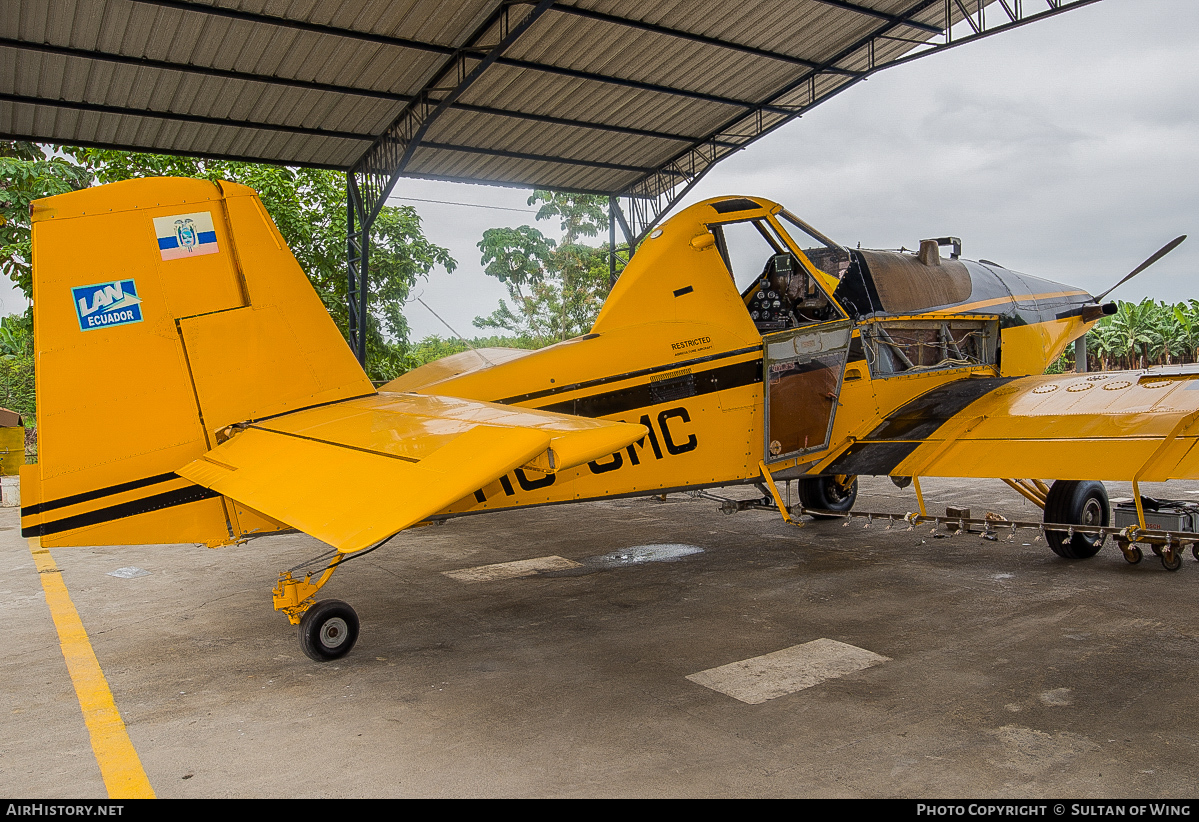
185	235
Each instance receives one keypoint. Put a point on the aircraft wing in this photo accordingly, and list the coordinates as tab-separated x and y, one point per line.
355	472
1117	426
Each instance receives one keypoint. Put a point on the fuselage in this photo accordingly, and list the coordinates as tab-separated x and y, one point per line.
722	384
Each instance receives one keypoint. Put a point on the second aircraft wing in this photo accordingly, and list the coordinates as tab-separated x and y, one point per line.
1117	426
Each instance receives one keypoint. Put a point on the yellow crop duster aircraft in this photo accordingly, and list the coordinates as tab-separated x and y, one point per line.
192	388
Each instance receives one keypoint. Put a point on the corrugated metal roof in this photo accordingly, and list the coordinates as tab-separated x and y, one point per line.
614	96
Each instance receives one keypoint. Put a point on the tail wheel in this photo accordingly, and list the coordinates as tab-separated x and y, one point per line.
328	630
1076	502
829	493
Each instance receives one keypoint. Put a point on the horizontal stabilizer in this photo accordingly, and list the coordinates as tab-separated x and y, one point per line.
356	472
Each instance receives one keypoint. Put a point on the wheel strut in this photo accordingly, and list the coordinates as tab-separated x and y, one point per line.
328	629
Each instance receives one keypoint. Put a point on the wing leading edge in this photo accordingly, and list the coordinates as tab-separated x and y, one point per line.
356	472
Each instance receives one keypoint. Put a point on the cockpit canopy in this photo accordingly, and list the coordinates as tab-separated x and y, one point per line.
779	288
791	276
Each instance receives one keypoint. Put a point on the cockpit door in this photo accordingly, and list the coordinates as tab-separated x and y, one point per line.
802	370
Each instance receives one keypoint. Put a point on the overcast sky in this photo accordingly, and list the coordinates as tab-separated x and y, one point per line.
1067	149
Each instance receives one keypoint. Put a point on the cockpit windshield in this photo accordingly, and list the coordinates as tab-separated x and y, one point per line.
777	287
827	255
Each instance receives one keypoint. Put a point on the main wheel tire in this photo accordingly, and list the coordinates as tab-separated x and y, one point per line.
1076	502
328	630
827	494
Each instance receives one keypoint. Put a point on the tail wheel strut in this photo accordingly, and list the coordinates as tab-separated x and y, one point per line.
328	629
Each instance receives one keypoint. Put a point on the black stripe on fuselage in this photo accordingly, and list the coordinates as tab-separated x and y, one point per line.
655	393
88	496
906	429
628	375
155	502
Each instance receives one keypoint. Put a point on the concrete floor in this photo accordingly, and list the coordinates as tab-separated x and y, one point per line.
1011	672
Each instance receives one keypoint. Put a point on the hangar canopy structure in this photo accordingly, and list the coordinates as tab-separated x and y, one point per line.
632	100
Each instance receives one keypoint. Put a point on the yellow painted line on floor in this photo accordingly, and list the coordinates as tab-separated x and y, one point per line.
119	764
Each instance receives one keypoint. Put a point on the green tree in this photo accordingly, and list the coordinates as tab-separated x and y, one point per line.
1146	333
16	335
1135	332
1166	332
1103	342
1187	317
16	366
400	255
556	288
27	174
580	215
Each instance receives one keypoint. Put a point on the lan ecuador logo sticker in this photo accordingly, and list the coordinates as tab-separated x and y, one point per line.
185	235
107	304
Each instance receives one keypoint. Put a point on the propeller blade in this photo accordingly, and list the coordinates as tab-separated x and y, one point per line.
1163	251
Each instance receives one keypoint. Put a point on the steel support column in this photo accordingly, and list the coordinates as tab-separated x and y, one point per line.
616	216
611	243
358	245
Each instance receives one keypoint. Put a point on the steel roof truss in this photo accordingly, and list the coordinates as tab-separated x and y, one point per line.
641	85
183	118
686	35
571	123
524	155
898	19
384	162
170	151
299	25
206	71
308	85
478	52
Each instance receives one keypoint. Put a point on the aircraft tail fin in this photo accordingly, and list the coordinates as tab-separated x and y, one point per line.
166	310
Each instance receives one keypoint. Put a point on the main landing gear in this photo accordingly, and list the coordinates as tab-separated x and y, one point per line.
820	497
1076	502
833	492
1084	504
